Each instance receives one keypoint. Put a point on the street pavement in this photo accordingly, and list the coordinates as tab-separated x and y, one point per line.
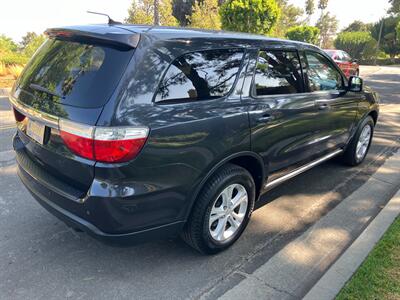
41	258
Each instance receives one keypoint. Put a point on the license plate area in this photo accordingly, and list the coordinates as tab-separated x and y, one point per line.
36	131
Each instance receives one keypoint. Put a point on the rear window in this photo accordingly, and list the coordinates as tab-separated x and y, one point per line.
200	76
77	74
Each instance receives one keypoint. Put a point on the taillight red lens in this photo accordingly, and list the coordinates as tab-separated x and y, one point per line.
104	144
79	145
117	151
18	116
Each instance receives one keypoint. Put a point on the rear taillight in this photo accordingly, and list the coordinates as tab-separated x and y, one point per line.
104	144
18	116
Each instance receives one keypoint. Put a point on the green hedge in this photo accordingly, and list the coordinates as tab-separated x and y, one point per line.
13	59
358	44
381	61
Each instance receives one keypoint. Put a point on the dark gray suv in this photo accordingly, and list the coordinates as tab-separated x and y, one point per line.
134	132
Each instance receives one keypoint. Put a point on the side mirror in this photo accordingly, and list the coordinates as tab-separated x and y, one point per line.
355	84
354	61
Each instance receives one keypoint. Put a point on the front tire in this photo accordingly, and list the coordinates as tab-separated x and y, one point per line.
222	210
359	145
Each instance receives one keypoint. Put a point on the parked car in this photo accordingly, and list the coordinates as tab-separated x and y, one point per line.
349	66
133	133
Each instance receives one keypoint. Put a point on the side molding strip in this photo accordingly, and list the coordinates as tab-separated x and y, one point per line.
300	170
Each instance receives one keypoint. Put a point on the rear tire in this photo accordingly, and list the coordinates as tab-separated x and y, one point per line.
215	222
358	147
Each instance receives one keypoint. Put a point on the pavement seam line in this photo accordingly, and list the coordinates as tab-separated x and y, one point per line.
270	286
247	275
381	180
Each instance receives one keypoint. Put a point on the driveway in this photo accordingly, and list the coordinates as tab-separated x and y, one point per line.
41	258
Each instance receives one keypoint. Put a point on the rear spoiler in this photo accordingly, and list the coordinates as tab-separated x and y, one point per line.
104	34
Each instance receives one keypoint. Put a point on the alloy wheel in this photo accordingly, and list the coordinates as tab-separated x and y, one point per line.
228	212
363	142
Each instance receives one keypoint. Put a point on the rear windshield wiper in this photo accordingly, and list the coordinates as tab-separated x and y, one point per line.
45	90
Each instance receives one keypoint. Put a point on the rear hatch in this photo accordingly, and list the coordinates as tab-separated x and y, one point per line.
69	79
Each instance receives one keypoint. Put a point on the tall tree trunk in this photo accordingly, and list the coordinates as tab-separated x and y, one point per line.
156	13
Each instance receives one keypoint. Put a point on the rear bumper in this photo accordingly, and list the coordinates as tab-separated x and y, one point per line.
76	222
112	219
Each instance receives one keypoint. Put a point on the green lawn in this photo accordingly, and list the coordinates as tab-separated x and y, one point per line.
379	275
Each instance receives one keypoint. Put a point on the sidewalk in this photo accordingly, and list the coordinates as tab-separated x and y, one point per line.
294	270
341	271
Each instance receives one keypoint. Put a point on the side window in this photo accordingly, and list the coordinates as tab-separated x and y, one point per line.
277	72
200	75
346	57
320	74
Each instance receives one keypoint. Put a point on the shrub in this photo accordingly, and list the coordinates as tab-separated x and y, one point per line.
253	16
3	69
7	45
358	44
13	59
308	34
15	70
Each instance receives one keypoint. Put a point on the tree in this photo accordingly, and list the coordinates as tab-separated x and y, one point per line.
142	12
310	9
398	32
7	45
205	15
395	6
327	25
388	42
322	4
290	18
182	10
308	34
35	42
359	44
27	38
358	26
253	16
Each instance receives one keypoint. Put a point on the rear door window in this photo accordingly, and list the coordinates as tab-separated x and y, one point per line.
277	72
201	75
320	74
77	74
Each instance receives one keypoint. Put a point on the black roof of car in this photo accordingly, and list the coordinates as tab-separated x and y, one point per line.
125	34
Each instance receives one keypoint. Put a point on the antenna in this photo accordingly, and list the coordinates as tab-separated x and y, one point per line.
110	21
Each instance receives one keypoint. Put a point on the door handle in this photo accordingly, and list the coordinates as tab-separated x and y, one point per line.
265	118
323	106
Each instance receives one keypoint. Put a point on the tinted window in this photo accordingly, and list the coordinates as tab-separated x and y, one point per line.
200	76
277	72
78	74
320	74
346	57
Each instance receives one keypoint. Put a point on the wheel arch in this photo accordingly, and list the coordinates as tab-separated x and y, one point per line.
248	160
374	115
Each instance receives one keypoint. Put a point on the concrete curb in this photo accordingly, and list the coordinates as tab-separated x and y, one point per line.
4	91
341	271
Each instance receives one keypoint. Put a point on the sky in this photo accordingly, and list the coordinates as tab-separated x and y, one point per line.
20	16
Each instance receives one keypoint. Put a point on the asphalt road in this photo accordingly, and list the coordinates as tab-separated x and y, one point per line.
41	258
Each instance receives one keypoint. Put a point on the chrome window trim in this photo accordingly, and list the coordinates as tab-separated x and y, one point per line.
326	92
31	113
